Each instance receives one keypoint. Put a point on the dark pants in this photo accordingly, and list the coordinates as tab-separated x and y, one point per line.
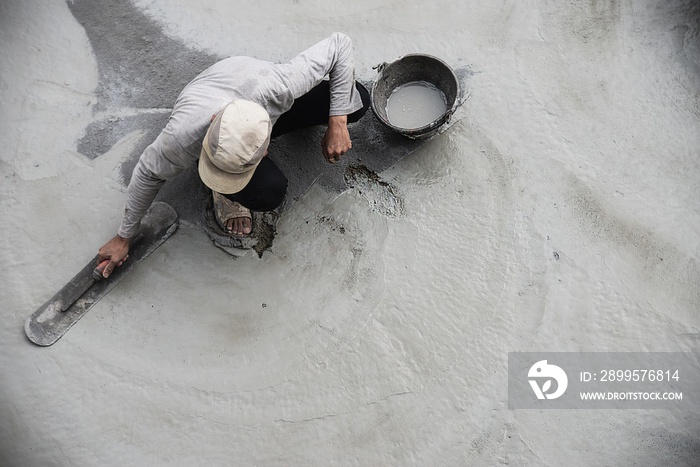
266	189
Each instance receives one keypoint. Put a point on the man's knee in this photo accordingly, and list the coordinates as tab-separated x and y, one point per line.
266	189
274	192
366	100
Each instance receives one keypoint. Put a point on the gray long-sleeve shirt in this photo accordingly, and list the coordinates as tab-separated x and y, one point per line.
273	86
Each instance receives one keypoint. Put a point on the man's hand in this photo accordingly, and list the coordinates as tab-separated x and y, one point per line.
116	251
336	141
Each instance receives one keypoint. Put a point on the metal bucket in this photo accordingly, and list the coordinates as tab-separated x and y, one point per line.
415	67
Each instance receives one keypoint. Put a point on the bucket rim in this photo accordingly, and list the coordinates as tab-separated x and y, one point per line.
380	68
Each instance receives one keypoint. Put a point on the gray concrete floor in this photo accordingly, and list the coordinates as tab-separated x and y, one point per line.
559	212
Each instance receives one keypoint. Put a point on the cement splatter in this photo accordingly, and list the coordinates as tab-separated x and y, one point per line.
380	194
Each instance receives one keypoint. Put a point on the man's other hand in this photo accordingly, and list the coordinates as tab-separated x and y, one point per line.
336	141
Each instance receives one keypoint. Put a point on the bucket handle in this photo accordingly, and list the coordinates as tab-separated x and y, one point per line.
380	67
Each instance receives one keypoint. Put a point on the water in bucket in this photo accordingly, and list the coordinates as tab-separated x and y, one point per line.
415	104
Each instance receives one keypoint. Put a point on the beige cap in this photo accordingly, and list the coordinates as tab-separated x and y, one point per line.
234	145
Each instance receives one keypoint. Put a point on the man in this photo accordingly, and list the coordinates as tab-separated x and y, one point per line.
226	117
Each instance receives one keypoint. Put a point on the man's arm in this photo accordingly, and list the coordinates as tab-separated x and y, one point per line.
154	167
332	57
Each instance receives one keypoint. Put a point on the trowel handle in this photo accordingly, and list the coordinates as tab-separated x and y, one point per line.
97	273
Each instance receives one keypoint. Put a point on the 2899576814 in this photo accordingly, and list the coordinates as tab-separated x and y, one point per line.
639	375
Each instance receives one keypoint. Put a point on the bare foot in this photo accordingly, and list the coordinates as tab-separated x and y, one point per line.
232	217
239	226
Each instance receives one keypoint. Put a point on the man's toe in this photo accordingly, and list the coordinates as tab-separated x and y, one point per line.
239	226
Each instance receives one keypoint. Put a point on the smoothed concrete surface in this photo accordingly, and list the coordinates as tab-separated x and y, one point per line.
559	212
